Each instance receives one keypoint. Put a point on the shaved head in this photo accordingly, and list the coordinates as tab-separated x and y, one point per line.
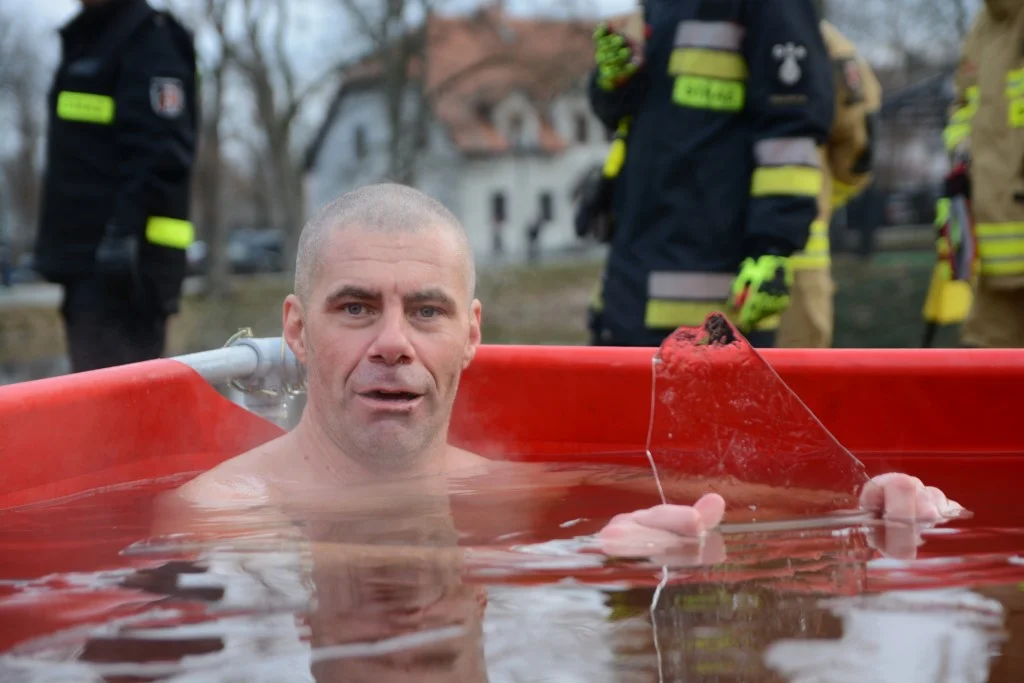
382	208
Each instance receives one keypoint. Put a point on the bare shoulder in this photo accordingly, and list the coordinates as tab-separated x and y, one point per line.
241	480
459	459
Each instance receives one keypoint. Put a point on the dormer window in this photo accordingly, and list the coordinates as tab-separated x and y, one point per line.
515	129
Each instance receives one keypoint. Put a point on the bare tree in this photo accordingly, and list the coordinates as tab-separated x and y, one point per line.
22	99
910	32
397	32
259	54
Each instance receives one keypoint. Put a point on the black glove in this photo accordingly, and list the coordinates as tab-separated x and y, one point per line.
117	261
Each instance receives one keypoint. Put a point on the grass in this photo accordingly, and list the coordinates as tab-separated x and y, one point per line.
878	304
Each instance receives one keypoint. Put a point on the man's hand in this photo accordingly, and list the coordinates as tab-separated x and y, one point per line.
616	60
761	289
118	255
681	531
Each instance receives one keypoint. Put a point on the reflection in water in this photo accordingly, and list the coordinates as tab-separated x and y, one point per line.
502	586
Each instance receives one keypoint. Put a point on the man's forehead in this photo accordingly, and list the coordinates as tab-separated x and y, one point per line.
406	261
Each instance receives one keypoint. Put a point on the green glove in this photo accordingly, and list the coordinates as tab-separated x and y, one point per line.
761	289
616	61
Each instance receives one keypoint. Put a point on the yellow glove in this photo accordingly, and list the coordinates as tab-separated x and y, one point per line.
615	58
761	290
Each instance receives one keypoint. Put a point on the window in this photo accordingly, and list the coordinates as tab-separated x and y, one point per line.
498	207
515	130
581	129
547	212
359	142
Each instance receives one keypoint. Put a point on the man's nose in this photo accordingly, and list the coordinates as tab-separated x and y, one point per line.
392	345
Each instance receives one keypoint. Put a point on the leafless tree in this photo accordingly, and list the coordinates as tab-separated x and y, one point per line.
396	35
22	104
911	32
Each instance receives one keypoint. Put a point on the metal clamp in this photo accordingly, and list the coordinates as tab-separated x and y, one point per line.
278	373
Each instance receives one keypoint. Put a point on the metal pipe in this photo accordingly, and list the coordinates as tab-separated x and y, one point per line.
221	365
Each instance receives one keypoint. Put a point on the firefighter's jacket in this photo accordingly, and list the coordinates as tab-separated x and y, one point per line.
727	117
987	122
848	154
120	144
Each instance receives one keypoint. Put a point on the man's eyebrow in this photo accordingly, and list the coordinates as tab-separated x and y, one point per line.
434	294
352	292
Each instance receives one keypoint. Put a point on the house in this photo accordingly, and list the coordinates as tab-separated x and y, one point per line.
509	132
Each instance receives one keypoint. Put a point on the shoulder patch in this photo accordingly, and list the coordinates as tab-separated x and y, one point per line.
789	54
849	77
167	97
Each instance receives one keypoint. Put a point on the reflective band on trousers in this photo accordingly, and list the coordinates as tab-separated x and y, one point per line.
718	35
1001	248
817	252
686	298
169	232
85	107
787	152
786	180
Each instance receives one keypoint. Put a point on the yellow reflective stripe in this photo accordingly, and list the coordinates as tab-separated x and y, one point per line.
85	107
169	232
1015	113
786	180
670	314
1015	83
1001	248
616	157
992	267
842	193
710	63
817	252
954	134
699	92
809	262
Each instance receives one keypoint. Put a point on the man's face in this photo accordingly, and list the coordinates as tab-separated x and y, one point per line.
385	334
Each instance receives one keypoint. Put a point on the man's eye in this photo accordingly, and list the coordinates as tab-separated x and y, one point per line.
429	312
354	309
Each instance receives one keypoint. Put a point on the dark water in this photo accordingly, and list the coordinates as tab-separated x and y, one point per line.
498	583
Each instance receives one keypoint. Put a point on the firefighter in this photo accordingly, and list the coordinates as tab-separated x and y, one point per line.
114	221
987	128
808	321
728	102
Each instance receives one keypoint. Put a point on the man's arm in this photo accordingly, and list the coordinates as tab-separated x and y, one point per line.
612	106
791	106
155	137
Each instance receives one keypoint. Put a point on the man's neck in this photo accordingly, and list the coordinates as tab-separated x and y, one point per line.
327	459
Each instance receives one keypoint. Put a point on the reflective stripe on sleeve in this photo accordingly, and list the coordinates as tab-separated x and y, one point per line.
786	180
169	232
787	152
717	35
85	107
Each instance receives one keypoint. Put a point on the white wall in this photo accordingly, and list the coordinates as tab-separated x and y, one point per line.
338	169
524	178
466	185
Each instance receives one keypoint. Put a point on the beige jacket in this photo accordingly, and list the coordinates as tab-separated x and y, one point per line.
987	122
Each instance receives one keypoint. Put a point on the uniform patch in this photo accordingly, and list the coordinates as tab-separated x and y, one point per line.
789	54
851	79
167	97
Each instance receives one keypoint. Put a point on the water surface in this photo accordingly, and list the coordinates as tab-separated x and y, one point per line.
500	582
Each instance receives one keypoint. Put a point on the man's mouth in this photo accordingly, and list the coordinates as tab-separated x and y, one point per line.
395	396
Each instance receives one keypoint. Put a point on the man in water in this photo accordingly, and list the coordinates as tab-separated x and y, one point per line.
385	320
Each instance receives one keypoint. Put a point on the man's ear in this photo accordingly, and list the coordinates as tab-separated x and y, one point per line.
294	325
474	333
